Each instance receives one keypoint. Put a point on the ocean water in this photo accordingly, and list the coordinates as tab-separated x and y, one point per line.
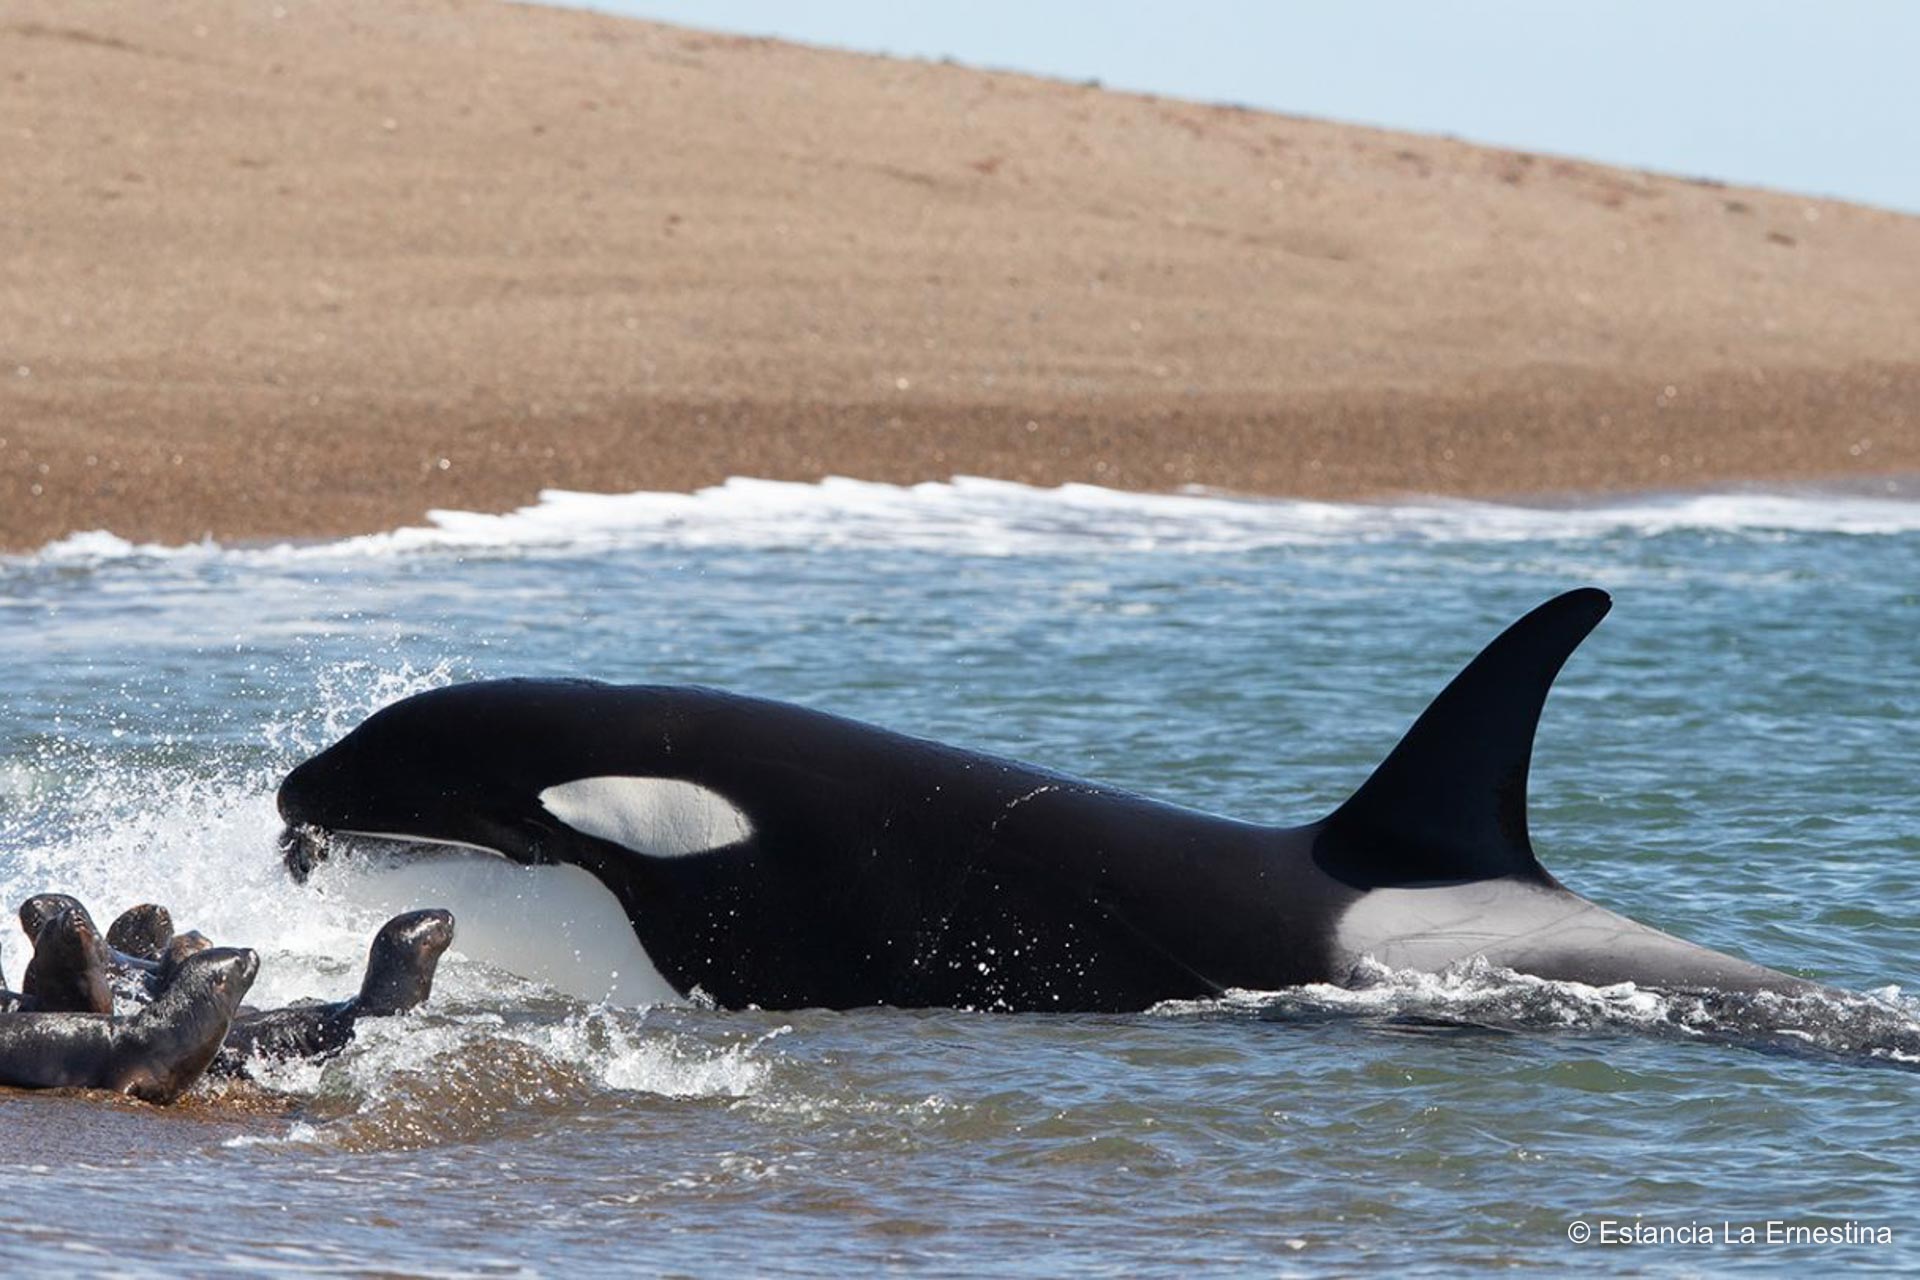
1732	756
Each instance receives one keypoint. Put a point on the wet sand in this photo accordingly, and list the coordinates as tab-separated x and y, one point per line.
298	270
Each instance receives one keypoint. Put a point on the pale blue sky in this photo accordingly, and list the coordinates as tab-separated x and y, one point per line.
1819	96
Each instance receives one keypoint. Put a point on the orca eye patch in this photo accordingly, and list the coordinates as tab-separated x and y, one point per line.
660	817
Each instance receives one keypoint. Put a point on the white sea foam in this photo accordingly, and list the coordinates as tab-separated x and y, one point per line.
619	1055
969	515
1882	1024
298	1132
607	1049
1472	991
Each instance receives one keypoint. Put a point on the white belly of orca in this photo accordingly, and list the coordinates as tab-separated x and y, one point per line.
1534	929
1429	927
552	924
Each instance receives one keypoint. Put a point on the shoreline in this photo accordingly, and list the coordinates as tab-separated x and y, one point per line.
562	519
360	464
312	271
554	516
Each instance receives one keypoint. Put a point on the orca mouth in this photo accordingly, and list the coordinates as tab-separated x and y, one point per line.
304	846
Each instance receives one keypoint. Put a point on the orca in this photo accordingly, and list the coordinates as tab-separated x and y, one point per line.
773	856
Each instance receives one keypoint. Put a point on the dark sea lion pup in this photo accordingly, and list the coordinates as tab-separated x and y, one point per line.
399	977
155	1055
68	972
141	932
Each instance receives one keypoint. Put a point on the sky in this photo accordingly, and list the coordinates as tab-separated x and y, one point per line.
1816	96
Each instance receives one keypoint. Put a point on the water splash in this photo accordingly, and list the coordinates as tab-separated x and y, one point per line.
436	1077
119	826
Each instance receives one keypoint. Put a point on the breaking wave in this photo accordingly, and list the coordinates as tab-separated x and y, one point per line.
970	515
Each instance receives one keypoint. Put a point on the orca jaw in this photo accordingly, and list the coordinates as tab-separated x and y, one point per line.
304	846
326	803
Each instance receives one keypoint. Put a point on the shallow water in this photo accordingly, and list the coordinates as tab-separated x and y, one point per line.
1730	757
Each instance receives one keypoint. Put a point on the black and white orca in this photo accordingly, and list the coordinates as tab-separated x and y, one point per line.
774	856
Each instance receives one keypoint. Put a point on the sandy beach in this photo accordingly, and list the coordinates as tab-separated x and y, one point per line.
310	269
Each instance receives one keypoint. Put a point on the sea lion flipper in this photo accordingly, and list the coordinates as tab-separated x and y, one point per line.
68	972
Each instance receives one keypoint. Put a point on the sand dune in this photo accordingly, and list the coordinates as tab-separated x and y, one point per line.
313	268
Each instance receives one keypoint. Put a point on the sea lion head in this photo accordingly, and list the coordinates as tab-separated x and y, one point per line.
402	961
141	932
216	977
179	948
36	911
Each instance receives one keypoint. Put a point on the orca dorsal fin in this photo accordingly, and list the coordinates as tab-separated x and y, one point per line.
1450	802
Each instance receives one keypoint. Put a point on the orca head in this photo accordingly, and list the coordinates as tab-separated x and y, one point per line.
574	777
537	771
462	766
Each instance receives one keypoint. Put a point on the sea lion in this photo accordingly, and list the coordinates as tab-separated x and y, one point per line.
141	932
132	979
155	1055
400	968
69	964
68	972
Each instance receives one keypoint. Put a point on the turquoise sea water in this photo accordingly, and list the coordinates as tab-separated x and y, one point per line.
1731	757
